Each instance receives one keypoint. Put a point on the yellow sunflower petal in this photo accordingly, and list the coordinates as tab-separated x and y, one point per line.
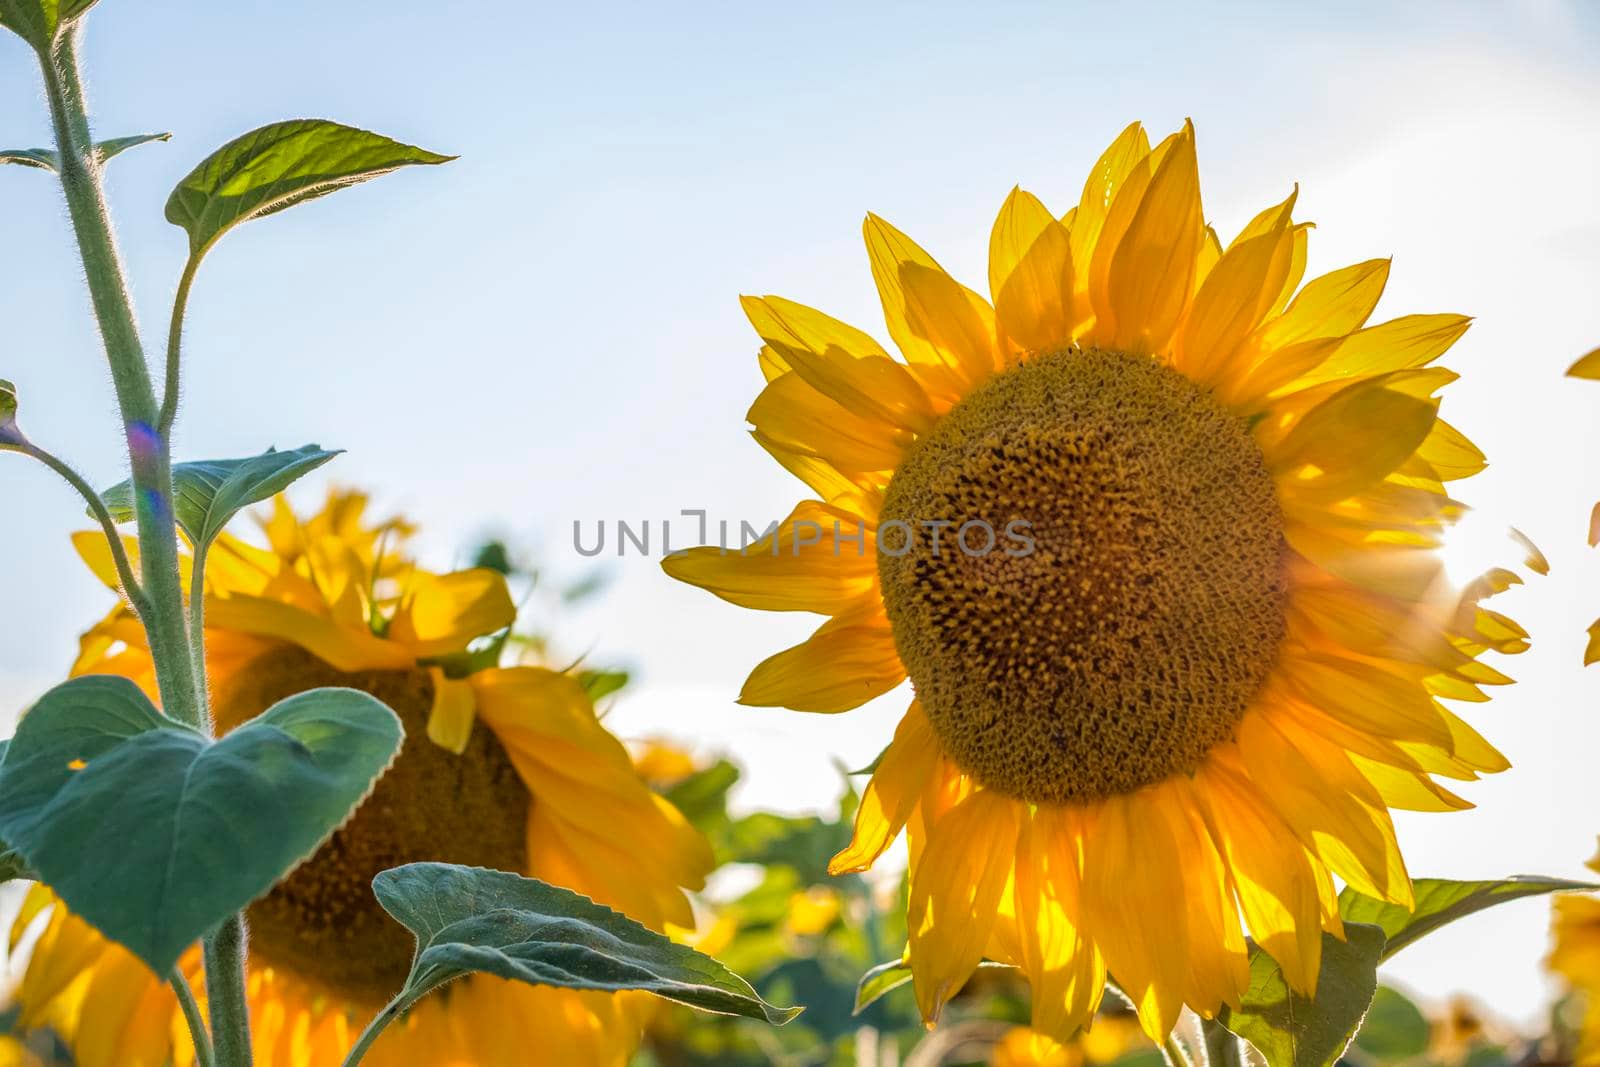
1063	967
1030	274
1105	180
955	893
901	777
797	416
840	361
836	669
807	564
453	713
1151	272
443	613
892	254
1587	366
1333	305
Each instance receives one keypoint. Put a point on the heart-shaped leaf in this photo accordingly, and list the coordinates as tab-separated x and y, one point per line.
276	167
39	21
1440	901
152	832
50	159
1291	1030
469	920
209	493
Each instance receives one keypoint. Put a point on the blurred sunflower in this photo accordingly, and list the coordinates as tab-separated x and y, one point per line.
502	767
1576	957
1182	644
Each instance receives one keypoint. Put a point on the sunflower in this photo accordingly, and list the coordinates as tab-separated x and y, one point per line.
503	767
1154	536
1575	956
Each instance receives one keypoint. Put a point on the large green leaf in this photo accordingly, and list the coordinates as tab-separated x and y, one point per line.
11	436
39	21
1291	1030
276	167
50	159
154	833
1440	901
210	492
468	920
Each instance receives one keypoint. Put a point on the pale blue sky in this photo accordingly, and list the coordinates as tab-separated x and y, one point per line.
547	329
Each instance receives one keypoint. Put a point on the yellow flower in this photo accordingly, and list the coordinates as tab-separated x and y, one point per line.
502	767
1576	957
1182	644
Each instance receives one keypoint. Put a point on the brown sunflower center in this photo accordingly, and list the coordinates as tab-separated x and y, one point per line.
322	923
1083	565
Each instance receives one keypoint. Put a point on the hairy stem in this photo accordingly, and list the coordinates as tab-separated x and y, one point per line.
191	1014
148	450
379	1023
119	555
230	1011
171	393
150	458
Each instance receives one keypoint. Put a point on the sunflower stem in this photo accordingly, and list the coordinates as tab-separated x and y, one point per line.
225	993
119	554
379	1023
191	1014
149	454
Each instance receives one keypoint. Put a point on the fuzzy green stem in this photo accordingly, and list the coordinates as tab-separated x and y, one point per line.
230	1011
148	450
191	1014
379	1023
197	632
119	555
171	392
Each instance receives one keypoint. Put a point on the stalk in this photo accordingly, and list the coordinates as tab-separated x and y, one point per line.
150	460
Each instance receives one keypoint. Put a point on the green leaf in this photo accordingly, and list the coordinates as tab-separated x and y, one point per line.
1440	901
1291	1030
49	159
42	158
1394	1029
209	493
12	439
154	833
40	21
468	920
276	167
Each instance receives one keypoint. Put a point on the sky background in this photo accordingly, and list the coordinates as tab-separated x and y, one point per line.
547	329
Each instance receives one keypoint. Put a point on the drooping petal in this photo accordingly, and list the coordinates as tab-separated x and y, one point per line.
896	787
838	668
1063	967
955	892
806	564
